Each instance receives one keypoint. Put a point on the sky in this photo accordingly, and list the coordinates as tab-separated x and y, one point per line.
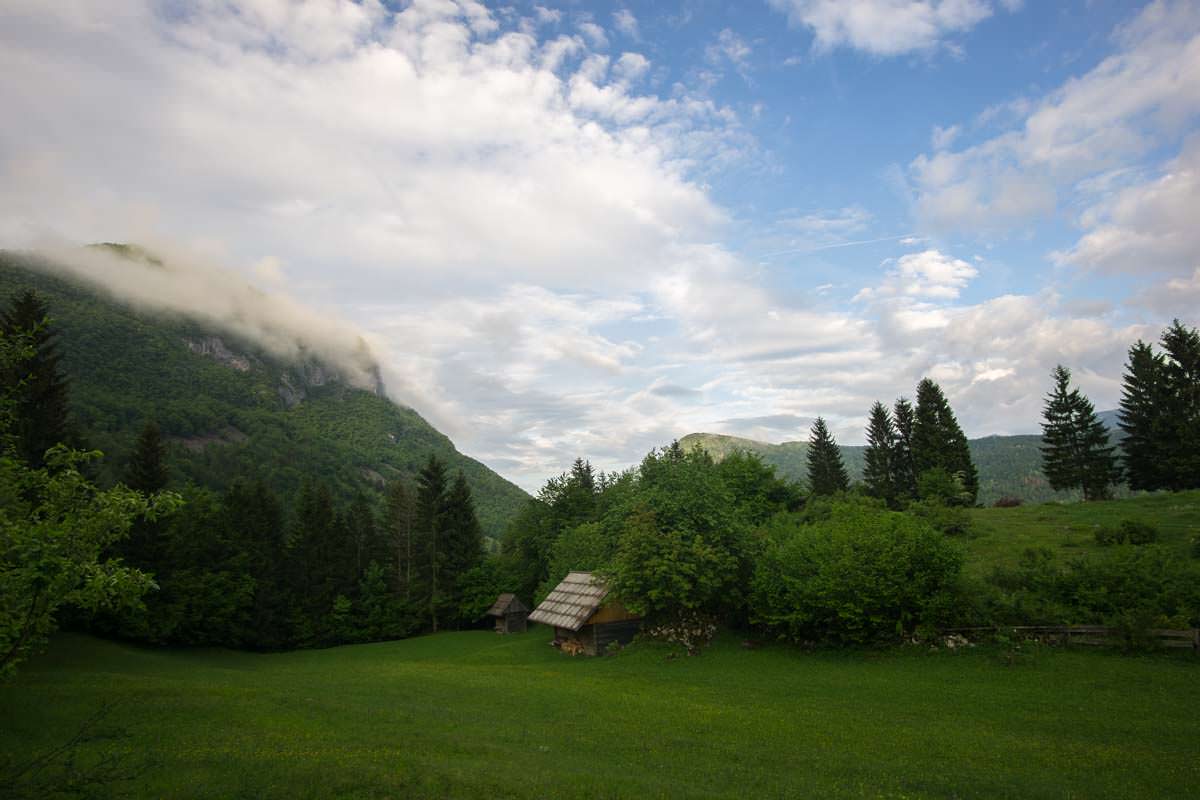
585	229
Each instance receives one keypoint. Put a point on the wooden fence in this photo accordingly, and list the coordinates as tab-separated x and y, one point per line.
1092	635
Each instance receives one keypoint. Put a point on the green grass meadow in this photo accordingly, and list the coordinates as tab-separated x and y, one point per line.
1000	535
474	714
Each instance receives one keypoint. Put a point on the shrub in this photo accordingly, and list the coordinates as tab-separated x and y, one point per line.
950	520
1007	501
863	575
1138	532
1129	532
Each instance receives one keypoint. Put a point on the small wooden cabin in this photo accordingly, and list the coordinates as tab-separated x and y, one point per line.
585	620
510	614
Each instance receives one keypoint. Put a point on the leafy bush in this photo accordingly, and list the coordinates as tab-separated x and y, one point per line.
1129	532
950	520
861	576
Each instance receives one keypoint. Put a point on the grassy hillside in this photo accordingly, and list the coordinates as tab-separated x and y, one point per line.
1000	535
477	715
235	411
1008	465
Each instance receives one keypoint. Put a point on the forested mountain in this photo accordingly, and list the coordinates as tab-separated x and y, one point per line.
230	410
1008	465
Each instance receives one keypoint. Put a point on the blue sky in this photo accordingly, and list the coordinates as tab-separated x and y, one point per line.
589	228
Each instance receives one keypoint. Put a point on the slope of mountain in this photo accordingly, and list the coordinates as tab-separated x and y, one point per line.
229	409
1008	465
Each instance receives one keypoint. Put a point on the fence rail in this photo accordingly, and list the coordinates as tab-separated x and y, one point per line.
1093	634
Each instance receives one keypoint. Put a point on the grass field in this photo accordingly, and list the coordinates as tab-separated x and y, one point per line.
476	715
1000	535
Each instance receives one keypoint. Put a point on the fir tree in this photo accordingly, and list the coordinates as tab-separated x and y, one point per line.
904	473
147	471
463	543
41	397
878	471
1181	376
430	550
400	525
1075	449
826	473
1143	419
938	441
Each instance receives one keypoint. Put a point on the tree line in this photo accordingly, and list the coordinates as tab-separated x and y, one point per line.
1159	415
180	564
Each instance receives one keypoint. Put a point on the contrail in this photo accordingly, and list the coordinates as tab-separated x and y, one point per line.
839	244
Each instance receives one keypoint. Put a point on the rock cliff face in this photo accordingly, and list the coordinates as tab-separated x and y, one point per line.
214	348
293	382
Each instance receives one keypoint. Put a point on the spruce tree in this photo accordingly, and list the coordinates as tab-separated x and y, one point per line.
429	531
878	471
463	543
1076	453
1142	417
41	397
400	523
938	441
147	473
904	473
1181	376
826	473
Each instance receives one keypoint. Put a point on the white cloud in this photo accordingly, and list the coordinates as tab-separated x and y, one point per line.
595	34
1136	100
941	138
626	22
929	273
1147	227
884	27
728	47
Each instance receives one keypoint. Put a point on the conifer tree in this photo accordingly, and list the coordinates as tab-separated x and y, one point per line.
1182	383
878	470
1075	449
429	531
400	522
938	441
147	473
826	473
904	473
1142	418
41	399
463	545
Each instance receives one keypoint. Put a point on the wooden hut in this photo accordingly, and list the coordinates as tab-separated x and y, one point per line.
585	620
510	614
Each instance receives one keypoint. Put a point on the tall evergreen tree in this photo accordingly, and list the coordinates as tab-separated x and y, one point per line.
41	398
1075	449
938	441
430	585
1182	383
904	472
1143	418
826	473
463	543
878	471
146	473
254	518
401	523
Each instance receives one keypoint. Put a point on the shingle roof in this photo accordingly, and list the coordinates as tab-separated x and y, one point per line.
572	602
506	603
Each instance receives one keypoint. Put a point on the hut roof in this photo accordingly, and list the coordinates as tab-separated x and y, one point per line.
572	602
506	603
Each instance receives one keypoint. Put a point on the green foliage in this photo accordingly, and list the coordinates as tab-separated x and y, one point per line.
221	424
938	441
55	527
863	575
881	456
952	520
35	383
1133	588
1160	412
1129	532
1075	450
826	473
